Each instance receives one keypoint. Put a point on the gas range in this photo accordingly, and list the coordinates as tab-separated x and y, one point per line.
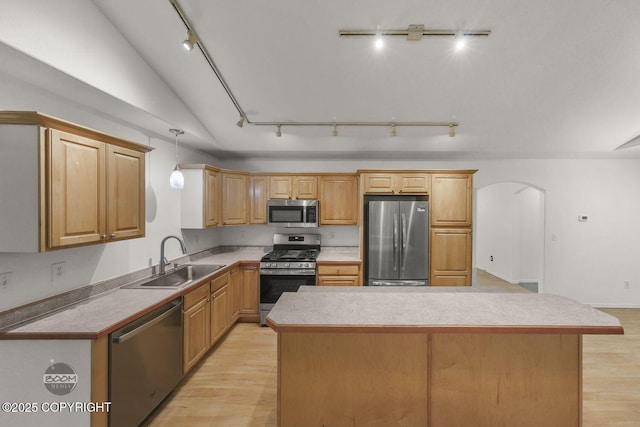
291	264
291	252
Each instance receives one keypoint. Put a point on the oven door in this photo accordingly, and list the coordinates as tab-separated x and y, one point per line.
274	283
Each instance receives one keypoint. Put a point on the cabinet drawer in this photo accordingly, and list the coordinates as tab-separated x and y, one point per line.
339	270
337	281
219	282
194	297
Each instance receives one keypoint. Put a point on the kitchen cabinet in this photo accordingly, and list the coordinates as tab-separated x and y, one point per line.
451	199
339	200
338	274
235	292
235	192
450	257
250	278
220	307
68	185
200	197
293	187
196	322
395	182
258	197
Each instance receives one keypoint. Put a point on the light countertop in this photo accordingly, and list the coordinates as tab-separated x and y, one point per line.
436	310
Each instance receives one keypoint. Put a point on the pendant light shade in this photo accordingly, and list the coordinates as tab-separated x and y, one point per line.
176	180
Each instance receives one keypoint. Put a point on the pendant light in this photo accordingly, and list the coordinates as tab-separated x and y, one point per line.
176	180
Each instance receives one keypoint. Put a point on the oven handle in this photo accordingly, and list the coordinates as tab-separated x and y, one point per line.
289	272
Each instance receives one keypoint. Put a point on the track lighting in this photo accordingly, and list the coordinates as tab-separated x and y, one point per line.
413	32
452	130
240	122
393	130
335	130
279	131
176	180
190	41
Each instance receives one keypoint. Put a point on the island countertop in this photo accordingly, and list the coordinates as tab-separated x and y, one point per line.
438	312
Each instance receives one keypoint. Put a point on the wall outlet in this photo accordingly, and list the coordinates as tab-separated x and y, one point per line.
491	258
5	281
58	271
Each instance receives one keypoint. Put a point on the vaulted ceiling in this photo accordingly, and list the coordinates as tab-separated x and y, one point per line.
554	79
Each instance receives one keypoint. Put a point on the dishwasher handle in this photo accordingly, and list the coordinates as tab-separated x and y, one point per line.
119	339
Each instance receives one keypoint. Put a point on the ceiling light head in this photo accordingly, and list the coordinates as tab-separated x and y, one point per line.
279	131
240	122
190	41
335	130
461	41
452	130
393	130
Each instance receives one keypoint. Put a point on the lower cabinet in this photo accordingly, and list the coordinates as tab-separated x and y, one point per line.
235	293
344	274
451	263
250	278
195	323
220	306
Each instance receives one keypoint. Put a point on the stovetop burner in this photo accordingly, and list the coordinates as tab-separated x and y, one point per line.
291	255
292	251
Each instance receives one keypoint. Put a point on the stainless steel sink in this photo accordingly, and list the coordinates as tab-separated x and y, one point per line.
177	278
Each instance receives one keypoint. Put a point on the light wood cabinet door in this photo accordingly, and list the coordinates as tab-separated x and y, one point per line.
305	187
234	198
196	323
220	313
346	274
76	192
339	200
381	183
451	200
250	290
235	292
211	198
413	183
450	257
125	193
280	187
258	197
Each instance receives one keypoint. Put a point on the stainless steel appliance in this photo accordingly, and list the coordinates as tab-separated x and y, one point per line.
145	364
396	241
293	213
291	264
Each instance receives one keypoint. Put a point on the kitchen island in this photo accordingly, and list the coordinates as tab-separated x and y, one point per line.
426	358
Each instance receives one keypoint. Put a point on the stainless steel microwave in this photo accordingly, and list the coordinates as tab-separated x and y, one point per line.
293	213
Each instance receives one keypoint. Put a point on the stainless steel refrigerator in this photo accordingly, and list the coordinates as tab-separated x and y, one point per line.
397	242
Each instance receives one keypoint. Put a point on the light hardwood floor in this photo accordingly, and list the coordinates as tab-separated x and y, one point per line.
235	385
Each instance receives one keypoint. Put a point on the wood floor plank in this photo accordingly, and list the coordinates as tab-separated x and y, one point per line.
236	384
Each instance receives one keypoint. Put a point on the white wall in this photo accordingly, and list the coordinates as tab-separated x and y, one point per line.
508	228
31	273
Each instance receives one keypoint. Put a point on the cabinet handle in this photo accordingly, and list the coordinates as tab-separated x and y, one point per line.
104	237
113	235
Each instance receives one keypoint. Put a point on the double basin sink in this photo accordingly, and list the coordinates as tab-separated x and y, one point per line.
176	278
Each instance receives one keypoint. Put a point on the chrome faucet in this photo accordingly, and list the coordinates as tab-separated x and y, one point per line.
163	260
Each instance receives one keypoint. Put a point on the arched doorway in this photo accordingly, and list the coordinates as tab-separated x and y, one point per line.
510	233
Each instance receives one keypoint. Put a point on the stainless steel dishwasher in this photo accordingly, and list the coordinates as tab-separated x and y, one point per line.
145	364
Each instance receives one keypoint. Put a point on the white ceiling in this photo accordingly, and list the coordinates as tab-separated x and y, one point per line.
555	79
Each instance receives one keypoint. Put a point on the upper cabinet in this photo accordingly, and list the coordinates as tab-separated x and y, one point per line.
68	185
451	199
258	197
235	197
293	187
339	200
200	197
395	182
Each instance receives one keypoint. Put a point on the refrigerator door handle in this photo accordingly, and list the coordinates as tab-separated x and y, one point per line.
403	253
395	242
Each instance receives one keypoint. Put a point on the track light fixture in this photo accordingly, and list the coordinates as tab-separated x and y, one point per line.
279	131
414	33
452	130
335	130
190	41
334	125
393	130
240	122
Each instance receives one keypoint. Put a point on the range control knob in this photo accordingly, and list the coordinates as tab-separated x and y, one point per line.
272	265
287	265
